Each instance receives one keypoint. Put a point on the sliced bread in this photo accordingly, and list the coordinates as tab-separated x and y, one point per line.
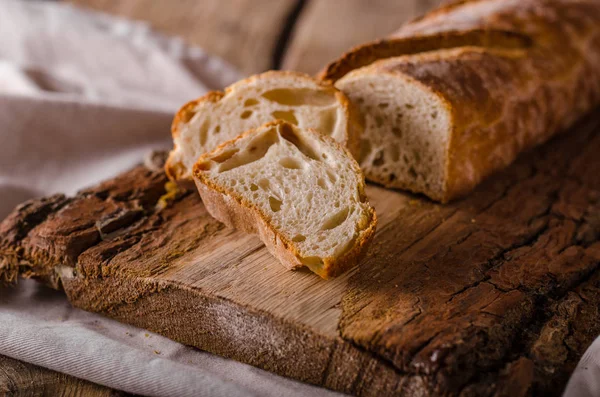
458	94
300	191
203	124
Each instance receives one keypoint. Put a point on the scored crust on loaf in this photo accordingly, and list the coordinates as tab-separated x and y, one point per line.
459	107
203	124
366	54
300	191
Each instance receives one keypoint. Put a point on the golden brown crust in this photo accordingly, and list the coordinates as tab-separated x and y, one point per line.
354	127
510	103
236	211
366	54
504	100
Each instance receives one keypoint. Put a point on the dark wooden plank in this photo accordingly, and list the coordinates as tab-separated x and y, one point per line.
451	299
22	379
328	28
243	32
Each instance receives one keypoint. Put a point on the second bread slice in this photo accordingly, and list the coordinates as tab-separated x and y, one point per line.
300	191
203	124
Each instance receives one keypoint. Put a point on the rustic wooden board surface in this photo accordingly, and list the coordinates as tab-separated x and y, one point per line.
470	298
510	291
252	35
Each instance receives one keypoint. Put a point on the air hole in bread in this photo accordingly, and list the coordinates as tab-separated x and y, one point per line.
412	173
397	131
264	184
298	238
203	133
217	129
379	159
417	156
392	177
434	115
379	121
255	150
328	120
246	114
324	155
395	153
321	183
309	197
224	156
409	106
275	204
250	102
299	97
336	220
285	115
289	135
253	187
332	177
291	163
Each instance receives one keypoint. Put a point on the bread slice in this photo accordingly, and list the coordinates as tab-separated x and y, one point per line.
203	124
300	191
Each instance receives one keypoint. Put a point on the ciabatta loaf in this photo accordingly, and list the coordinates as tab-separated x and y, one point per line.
458	94
300	191
203	124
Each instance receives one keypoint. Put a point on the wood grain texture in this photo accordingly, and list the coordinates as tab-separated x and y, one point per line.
514	265
21	379
463	299
243	32
328	28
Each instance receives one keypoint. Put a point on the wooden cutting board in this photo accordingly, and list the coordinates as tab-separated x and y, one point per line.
496	294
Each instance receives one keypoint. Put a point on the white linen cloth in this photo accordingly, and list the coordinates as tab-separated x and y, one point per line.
84	96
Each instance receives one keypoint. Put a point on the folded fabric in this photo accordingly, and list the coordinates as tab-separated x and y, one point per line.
70	52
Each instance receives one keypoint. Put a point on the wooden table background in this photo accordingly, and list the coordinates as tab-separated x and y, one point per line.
254	36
